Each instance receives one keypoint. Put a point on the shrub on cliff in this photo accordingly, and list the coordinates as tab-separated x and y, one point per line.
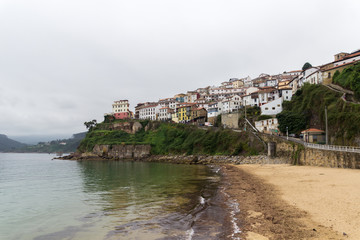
349	78
177	139
309	104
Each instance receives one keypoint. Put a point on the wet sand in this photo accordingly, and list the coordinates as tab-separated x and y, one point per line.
295	202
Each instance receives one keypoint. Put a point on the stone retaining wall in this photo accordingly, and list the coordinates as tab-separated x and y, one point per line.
122	151
299	154
328	158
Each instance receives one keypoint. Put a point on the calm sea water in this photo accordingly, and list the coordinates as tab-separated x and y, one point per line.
41	198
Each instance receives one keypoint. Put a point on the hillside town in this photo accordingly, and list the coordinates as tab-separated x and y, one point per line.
268	92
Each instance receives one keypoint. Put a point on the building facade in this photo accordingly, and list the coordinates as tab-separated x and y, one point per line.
120	109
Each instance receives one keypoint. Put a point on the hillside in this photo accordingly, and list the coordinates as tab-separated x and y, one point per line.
349	79
166	138
60	145
307	107
9	145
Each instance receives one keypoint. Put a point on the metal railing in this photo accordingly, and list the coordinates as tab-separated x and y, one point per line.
333	147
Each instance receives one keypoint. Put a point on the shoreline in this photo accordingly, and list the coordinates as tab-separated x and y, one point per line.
259	205
266	211
185	159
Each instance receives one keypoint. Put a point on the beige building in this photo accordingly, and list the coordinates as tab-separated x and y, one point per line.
342	61
313	135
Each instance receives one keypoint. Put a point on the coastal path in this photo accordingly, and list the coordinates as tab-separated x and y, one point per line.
323	146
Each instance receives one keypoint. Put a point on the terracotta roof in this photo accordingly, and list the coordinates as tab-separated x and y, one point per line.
312	130
351	55
285	88
345	64
346	57
267	90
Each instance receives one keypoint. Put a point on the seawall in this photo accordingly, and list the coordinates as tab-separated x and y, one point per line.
143	153
301	155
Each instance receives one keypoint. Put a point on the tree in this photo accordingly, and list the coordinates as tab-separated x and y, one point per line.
306	66
90	125
293	121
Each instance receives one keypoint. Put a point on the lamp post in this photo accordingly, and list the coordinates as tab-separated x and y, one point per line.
326	127
245	115
287	133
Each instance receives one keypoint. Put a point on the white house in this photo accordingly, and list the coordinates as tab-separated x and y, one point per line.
271	82
165	113
272	108
250	90
267	95
254	99
246	99
192	96
202	103
168	102
286	93
309	72
314	78
213	110
268	126
149	112
230	104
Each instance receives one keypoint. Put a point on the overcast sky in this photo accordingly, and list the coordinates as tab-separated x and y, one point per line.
63	62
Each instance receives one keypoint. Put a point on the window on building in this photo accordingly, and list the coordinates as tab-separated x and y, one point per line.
329	75
273	108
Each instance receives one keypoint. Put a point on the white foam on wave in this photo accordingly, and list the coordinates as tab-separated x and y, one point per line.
234	206
189	234
234	211
202	200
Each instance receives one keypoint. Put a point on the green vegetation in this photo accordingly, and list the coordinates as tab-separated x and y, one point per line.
90	125
264	117
60	145
218	121
9	145
166	138
309	104
306	66
349	78
253	115
295	122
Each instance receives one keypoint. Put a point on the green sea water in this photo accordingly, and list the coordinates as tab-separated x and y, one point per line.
41	198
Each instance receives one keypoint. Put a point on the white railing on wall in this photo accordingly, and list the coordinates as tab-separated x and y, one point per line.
333	147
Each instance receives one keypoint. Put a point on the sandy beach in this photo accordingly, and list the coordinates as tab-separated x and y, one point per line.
295	202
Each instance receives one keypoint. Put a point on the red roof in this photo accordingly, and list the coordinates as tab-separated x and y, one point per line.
345	64
312	130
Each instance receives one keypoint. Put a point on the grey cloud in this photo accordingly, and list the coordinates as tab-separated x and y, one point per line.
64	62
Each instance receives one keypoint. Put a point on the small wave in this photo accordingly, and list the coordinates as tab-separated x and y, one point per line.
202	200
235	209
234	206
189	234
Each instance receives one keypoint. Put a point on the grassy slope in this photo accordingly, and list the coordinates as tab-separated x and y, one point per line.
343	118
168	138
349	78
